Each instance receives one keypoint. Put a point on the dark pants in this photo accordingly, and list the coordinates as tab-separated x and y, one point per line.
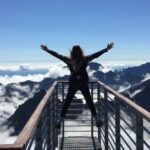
73	88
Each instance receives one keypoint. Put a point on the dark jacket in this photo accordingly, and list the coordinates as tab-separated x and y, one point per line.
82	73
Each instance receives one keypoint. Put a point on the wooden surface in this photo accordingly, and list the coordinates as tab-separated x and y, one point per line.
10	147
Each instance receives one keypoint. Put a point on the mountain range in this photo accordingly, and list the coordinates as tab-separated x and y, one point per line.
22	98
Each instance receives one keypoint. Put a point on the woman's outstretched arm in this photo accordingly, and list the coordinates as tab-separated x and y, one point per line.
55	54
97	54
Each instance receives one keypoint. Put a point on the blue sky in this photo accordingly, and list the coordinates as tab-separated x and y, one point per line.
60	24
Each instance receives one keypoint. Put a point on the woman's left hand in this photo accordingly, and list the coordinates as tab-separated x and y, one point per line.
110	45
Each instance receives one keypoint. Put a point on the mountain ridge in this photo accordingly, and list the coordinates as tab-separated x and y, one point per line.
17	95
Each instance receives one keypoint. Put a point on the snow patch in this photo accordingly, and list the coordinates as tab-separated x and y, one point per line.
136	92
146	77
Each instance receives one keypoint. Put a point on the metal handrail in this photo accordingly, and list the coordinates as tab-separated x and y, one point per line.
141	111
116	119
41	126
33	126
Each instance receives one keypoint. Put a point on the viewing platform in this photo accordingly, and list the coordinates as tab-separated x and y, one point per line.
126	125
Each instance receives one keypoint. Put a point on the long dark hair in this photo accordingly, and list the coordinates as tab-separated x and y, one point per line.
77	57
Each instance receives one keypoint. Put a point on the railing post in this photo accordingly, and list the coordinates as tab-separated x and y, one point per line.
63	134
139	132
56	111
91	113
53	126
98	108
48	125
52	123
39	136
117	124
106	117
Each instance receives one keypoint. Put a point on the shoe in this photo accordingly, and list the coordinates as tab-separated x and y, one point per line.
98	121
58	122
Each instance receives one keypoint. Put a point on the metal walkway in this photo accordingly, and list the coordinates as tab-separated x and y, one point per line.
80	143
78	130
126	125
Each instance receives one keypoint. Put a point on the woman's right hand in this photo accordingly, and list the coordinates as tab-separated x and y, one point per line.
44	47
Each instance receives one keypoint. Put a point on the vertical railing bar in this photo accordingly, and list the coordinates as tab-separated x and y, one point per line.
39	135
44	121
56	112
139	132
106	118
44	133
45	142
98	108
91	113
53	122
117	124
48	125
63	121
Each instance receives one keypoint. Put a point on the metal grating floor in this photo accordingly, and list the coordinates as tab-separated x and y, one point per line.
79	143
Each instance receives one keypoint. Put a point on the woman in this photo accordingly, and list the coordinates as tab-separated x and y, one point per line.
79	79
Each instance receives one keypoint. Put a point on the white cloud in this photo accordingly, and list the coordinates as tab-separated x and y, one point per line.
17	78
10	103
20	73
36	72
119	65
6	109
5	137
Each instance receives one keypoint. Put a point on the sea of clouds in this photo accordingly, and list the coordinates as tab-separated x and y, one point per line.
15	73
34	72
